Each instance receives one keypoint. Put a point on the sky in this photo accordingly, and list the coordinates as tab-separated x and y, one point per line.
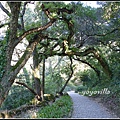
91	3
87	3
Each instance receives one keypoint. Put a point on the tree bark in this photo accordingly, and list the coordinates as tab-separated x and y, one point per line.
8	77
15	10
43	80
36	73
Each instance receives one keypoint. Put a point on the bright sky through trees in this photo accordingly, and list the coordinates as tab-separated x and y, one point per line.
90	3
86	3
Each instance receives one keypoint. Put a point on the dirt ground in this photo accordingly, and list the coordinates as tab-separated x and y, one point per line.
109	104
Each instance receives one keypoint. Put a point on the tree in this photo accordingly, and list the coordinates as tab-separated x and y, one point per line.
14	39
36	73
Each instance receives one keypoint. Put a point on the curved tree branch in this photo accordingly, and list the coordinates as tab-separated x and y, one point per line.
112	31
20	83
97	55
93	51
5	10
96	70
71	68
37	29
22	14
2	25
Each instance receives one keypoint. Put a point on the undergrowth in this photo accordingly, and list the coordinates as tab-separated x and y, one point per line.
59	109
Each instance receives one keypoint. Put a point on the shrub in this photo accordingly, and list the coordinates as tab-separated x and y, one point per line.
17	99
59	109
80	88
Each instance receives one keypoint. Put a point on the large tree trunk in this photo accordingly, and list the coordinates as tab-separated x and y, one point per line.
36	73
9	76
43	80
15	10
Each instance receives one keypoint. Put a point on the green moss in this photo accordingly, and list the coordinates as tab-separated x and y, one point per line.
20	60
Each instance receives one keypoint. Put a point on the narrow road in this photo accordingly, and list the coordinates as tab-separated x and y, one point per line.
83	107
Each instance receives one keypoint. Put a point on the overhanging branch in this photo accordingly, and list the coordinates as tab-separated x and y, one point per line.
5	10
20	83
71	68
37	29
112	31
96	70
22	61
97	55
2	25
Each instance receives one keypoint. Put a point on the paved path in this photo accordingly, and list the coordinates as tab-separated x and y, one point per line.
83	107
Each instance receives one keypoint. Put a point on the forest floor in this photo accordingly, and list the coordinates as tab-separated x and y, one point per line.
31	113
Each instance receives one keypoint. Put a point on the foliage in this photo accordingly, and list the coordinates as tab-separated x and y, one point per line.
18	95
88	78
91	81
56	78
59	109
70	86
80	88
17	98
111	10
25	77
3	46
53	83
